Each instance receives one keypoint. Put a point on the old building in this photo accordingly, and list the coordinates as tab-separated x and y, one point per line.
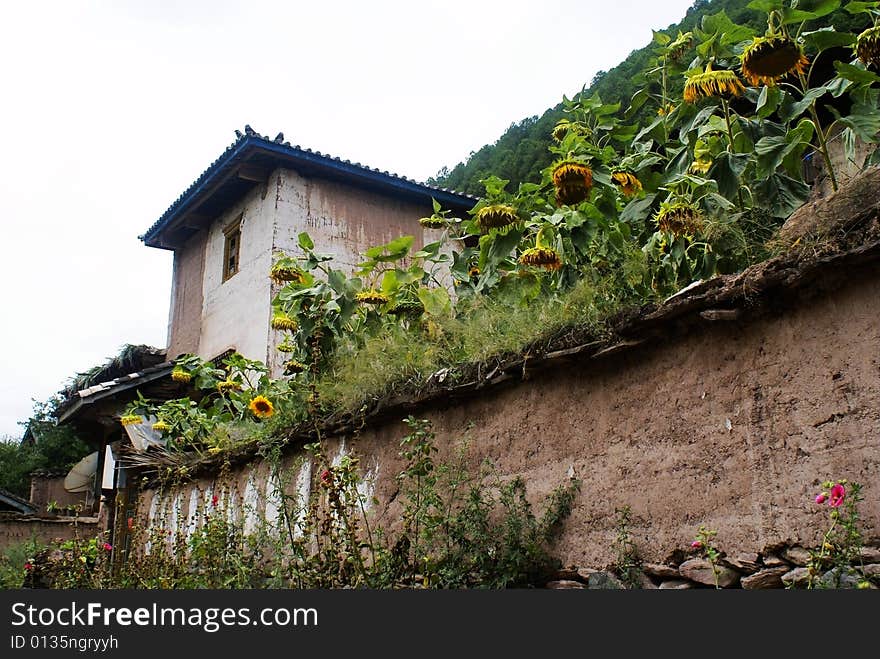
252	202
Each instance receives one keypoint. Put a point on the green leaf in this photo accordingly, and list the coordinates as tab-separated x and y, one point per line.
392	251
808	10
636	102
781	194
305	241
765	6
855	73
727	169
436	205
497	247
790	109
864	123
637	210
768	101
862	7
389	282
773	149
436	301
828	37
660	38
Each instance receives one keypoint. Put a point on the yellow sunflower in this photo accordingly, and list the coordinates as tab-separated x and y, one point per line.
281	321
680	218
281	274
767	59
541	257
712	84
228	385
179	375
573	181
627	182
433	222
372	296
868	47
293	367
161	426
495	216
261	407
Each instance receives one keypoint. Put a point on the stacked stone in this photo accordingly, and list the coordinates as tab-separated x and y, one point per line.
783	567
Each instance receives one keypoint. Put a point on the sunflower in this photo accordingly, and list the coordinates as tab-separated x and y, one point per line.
161	426
281	274
473	271
868	47
261	407
228	385
281	321
372	296
573	181
679	218
495	216
293	367
767	59
286	346
541	257
709	83
407	308
433	222
180	375
627	182
131	419
700	166
664	110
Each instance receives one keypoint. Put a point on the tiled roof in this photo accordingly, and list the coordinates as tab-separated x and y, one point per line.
295	153
110	387
9	500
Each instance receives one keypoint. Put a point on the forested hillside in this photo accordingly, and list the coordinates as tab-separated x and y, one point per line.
522	152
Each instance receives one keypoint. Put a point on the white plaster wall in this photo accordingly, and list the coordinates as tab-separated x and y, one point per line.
236	312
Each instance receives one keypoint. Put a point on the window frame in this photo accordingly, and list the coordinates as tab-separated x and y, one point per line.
232	248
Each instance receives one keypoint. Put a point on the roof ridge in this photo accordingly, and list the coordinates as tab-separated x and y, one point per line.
249	134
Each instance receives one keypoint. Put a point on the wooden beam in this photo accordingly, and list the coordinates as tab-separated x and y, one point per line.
252	173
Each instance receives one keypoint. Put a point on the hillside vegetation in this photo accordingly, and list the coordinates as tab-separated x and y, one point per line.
523	150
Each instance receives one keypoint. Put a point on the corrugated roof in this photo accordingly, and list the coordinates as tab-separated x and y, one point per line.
14	502
251	142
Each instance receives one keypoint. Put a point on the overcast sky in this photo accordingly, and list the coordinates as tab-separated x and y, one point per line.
109	110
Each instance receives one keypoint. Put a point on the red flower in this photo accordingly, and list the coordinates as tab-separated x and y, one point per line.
108	546
214	500
838	494
28	566
130	523
821	498
325	477
696	544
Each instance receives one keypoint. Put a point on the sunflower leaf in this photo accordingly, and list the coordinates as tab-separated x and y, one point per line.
826	38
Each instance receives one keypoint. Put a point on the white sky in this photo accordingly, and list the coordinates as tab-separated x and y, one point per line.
109	110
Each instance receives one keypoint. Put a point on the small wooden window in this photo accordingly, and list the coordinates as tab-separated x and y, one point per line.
231	247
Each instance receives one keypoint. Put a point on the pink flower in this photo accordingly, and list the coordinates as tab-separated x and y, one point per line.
28	566
325	477
838	494
130	523
108	546
696	544
821	498
214	500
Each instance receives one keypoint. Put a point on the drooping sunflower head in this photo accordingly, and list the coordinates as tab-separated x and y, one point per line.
680	218
286	346
628	183
180	375
161	426
434	222
573	181
261	407
281	321
131	419
868	47
228	385
541	257
712	84
495	216
372	296
293	367
767	59
410	308
281	274
701	166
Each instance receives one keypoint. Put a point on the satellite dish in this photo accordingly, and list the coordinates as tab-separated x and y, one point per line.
82	476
